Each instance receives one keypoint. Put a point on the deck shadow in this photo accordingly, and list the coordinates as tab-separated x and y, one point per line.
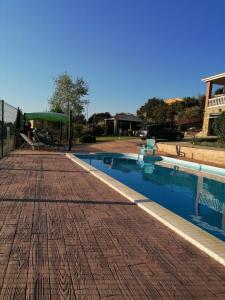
42	170
61	201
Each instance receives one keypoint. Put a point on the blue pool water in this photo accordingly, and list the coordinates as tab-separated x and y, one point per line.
197	199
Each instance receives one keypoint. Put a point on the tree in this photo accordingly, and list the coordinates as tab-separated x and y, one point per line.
219	91
148	110
219	127
79	119
193	114
121	113
157	111
160	114
68	94
190	101
56	107
97	124
201	102
99	117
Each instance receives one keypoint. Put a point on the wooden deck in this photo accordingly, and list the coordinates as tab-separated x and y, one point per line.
66	235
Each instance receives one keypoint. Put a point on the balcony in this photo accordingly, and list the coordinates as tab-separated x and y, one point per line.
217	100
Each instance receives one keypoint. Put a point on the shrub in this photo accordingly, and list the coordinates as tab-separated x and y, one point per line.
87	131
98	130
219	127
87	138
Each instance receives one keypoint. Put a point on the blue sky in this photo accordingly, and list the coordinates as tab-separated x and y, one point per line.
127	50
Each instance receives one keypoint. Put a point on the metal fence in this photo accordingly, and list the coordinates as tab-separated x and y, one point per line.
8	127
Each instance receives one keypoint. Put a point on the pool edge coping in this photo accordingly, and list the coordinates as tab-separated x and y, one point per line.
203	240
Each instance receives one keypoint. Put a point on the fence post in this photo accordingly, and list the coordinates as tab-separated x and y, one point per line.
17	129
2	119
70	130
8	139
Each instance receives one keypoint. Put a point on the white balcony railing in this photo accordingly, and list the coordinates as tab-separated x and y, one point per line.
217	100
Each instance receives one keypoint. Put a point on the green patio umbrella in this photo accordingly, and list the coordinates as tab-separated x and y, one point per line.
47	116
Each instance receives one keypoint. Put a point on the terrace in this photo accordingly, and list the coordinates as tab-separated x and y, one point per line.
218	80
217	100
65	234
214	103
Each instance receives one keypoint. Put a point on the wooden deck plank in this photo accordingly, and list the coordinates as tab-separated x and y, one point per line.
38	282
82	278
60	277
69	230
16	274
53	222
103	276
81	274
40	219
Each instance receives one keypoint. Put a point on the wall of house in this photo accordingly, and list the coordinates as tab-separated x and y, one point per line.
210	110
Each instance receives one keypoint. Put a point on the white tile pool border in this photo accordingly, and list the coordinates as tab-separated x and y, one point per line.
209	244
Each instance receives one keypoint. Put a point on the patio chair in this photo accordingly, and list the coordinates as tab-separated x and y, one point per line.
40	139
48	141
34	145
150	146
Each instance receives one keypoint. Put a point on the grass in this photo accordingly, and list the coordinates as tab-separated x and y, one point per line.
110	138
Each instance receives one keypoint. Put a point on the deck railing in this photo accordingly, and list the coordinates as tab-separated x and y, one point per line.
217	100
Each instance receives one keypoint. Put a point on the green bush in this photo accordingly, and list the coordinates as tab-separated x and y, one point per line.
87	138
219	127
87	131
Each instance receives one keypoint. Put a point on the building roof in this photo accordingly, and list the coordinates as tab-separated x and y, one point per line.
218	79
170	101
126	117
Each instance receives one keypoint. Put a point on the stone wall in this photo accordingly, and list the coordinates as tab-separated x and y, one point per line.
203	154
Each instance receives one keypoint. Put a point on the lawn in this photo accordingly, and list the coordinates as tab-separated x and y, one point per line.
206	141
110	138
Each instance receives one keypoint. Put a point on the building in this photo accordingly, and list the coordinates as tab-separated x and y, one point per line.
214	102
170	101
122	122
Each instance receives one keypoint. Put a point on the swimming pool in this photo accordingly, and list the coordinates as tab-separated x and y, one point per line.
196	196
